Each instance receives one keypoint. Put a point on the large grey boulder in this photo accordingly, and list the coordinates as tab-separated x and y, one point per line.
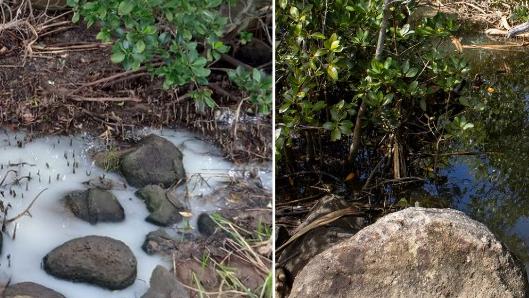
416	252
97	260
154	160
95	205
30	290
163	284
164	211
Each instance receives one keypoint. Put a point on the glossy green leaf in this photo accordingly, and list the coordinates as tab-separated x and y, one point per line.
117	57
332	71
125	7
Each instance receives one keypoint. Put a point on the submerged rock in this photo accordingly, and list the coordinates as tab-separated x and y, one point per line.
30	290
95	205
154	160
163	284
97	260
163	211
416	252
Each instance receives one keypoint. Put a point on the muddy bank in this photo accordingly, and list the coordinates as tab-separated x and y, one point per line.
65	84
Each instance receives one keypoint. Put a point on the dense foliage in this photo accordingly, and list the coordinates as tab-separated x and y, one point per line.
326	68
177	40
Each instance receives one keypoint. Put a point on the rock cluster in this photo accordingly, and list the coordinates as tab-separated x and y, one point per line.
109	263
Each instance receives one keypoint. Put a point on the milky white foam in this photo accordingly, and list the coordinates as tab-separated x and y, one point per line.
51	224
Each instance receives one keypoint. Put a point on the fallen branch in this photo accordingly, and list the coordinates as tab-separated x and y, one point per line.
5	176
72	47
104	99
460	153
12	24
220	90
57	30
494	46
473	6
498	32
518	30
403	180
235	62
320	173
26	211
21	164
372	174
115	76
324	220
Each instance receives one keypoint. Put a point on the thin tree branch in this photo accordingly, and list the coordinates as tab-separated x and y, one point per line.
378	56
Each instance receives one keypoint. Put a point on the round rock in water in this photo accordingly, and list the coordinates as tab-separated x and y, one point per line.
30	290
95	205
416	252
154	160
97	260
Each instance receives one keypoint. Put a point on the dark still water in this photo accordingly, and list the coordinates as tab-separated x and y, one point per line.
492	183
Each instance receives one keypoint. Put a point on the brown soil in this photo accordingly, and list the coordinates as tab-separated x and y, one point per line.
246	208
49	85
478	14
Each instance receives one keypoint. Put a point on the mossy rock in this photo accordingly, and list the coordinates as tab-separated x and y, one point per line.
162	211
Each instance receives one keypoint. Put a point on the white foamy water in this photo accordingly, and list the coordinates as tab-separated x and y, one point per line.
51	224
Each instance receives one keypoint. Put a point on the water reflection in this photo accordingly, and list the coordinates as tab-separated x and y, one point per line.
493	187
